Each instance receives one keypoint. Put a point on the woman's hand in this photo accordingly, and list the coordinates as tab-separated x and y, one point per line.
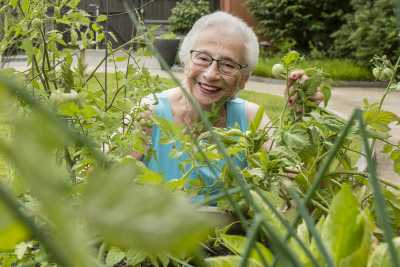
291	94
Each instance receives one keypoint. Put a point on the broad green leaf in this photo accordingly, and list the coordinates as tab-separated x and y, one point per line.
229	261
34	143
380	255
149	177
114	256
377	119
25	4
237	245
101	18
304	236
290	58
134	257
142	217
296	138
360	255
346	230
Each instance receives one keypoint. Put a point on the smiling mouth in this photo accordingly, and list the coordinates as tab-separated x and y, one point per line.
209	89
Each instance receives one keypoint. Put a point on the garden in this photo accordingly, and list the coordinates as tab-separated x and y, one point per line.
71	194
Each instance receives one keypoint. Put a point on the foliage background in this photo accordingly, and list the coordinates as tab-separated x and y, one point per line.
370	30
185	13
299	24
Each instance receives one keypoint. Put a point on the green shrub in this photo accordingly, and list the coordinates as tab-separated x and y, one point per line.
338	69
299	24
185	14
370	31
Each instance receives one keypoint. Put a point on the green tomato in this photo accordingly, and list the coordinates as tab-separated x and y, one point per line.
278	70
36	23
386	74
377	72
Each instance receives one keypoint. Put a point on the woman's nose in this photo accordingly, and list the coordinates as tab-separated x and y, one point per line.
212	71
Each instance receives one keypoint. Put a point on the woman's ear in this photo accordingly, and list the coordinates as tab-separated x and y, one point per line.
243	80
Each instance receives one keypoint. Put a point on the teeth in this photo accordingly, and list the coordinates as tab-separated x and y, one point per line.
209	87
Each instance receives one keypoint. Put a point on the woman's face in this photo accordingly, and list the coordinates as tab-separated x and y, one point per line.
207	84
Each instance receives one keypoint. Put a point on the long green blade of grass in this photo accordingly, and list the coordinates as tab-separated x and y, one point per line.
311	227
379	199
289	228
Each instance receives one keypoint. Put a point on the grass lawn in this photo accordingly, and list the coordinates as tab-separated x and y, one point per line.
338	69
273	104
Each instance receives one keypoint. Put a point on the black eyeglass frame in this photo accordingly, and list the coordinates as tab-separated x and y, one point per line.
240	66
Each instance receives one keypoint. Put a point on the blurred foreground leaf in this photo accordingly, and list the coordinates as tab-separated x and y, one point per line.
143	217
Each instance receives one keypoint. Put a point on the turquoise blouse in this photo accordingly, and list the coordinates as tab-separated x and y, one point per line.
168	166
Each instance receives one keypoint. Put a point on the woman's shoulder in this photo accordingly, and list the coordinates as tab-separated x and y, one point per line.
251	111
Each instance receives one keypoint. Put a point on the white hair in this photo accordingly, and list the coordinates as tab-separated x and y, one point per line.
227	21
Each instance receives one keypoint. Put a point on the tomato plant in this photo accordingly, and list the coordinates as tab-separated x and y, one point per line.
75	197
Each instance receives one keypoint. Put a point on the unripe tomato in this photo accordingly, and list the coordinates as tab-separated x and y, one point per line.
386	74
36	23
278	70
376	72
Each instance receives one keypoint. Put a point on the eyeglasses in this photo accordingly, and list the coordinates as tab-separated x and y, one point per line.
225	66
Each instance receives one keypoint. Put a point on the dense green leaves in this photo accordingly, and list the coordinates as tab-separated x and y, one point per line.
237	245
301	24
371	30
185	14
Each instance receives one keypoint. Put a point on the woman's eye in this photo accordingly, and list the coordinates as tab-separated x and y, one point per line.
203	58
228	65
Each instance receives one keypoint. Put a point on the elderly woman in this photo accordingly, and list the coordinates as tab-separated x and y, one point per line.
218	54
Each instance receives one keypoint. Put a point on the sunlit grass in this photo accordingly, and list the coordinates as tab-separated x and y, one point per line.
338	69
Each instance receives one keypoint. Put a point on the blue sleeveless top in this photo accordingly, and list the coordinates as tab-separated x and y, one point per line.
168	166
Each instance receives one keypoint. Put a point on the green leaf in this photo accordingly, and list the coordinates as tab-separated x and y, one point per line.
229	261
22	248
101	18
114	256
134	257
270	218
12	231
326	90
27	46
150	177
359	256
14	3
73	3
296	138
147	217
25	4
237	245
346	230
380	255
291	58
255	124
379	119
387	148
120	59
